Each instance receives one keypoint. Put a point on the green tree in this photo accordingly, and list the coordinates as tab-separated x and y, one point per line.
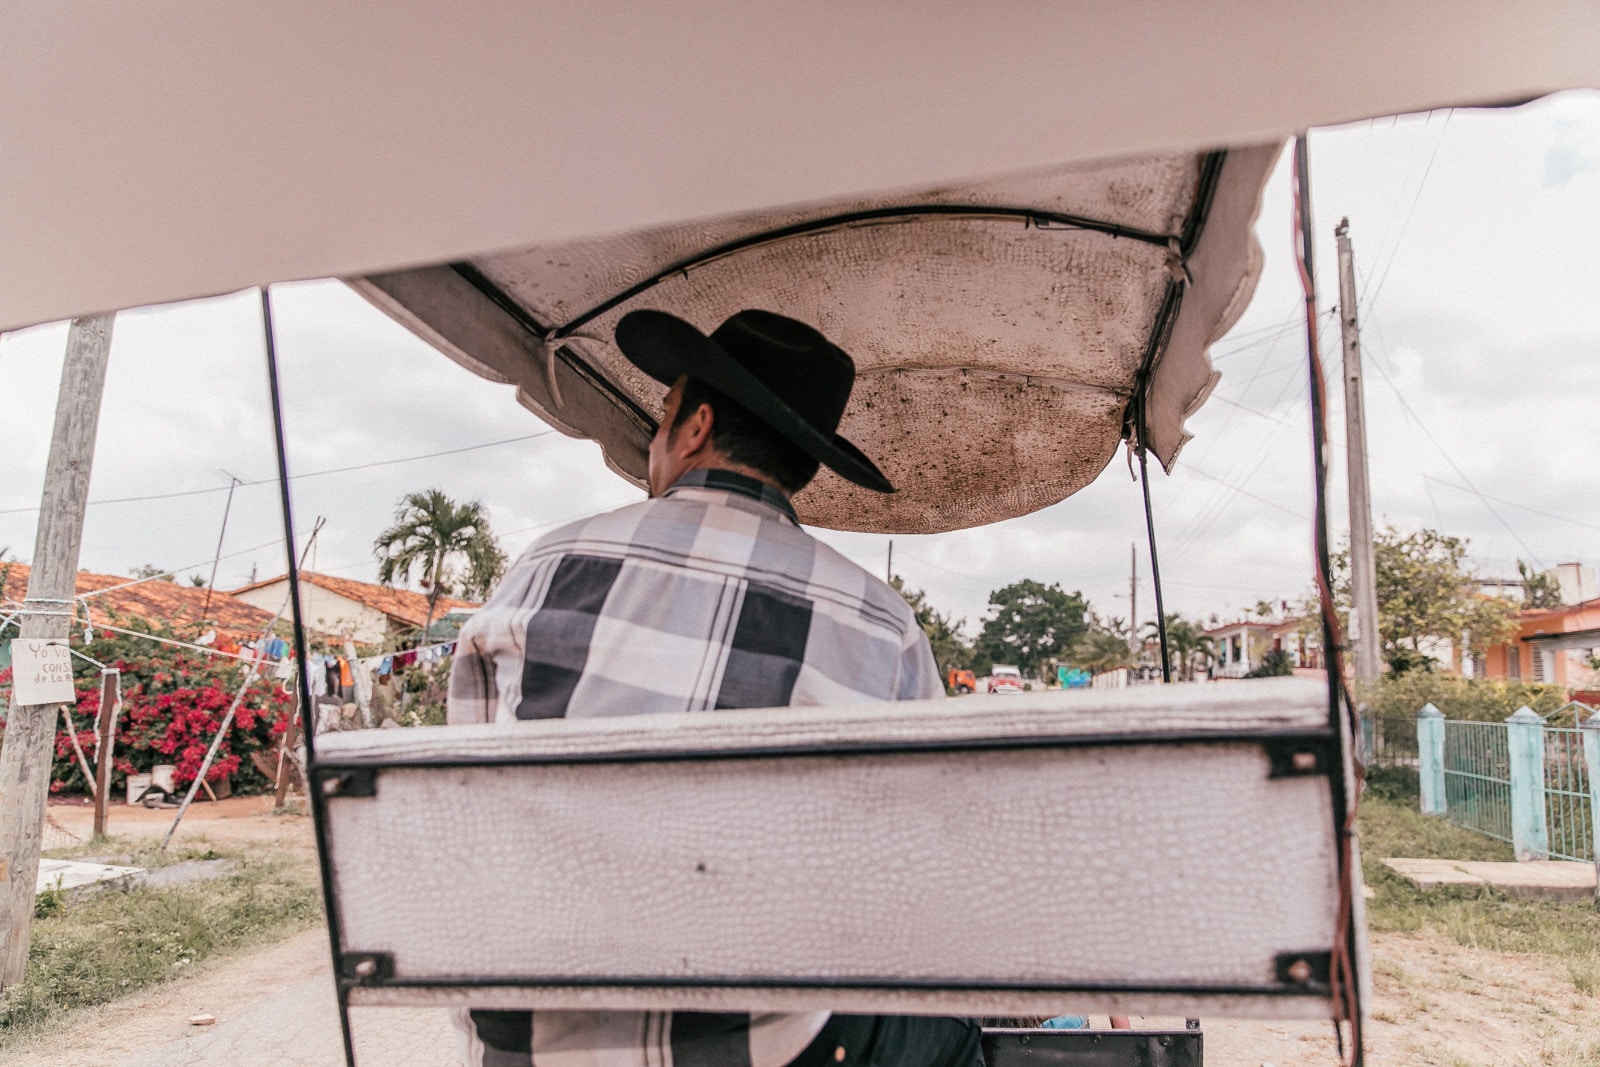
1425	592
435	536
951	651
1098	649
1188	647
1539	588
486	565
1031	624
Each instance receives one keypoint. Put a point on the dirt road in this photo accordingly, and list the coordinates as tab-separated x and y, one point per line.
273	1007
1437	1003
237	820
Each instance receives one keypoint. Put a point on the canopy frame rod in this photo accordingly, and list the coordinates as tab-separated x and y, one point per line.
315	798
1035	217
1342	971
1135	425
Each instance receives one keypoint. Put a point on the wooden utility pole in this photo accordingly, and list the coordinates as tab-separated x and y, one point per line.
888	567
31	730
1363	576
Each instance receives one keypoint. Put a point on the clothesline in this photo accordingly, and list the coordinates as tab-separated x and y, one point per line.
252	652
424	648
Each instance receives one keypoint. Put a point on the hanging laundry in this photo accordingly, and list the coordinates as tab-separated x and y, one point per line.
344	673
319	676
385	666
284	671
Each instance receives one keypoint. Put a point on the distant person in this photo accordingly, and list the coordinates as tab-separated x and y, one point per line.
708	595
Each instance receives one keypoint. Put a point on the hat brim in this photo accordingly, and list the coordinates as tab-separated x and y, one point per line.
666	348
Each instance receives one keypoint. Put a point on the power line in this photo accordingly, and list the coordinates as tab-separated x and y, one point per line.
1513	503
1421	184
1245	492
1406	406
307	474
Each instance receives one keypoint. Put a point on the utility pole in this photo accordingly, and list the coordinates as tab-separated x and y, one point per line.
1133	599
888	568
1363	575
31	730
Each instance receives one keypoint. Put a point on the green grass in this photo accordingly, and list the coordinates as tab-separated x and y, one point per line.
88	951
1476	916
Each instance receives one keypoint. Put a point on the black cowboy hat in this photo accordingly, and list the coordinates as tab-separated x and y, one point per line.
780	370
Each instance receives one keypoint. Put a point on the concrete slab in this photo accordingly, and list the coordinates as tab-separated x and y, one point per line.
1430	874
71	875
1539	880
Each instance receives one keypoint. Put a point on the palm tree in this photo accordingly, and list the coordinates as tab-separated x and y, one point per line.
1187	646
1098	651
430	532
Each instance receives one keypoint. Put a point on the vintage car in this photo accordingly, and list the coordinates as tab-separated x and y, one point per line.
1003	679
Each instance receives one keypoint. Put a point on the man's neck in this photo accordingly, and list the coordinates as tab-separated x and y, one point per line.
716	461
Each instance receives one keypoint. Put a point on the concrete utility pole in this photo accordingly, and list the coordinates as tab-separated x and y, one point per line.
1363	576
1133	599
31	730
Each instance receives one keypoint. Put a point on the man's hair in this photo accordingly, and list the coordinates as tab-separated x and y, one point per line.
747	440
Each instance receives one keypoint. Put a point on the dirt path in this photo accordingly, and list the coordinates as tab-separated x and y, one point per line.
1436	1004
273	1007
1439	1004
237	820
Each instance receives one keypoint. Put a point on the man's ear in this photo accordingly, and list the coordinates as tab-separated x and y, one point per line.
695	431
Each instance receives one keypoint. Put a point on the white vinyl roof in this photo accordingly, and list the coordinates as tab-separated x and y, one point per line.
179	148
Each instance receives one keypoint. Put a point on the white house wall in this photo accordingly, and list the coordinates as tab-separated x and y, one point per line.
325	611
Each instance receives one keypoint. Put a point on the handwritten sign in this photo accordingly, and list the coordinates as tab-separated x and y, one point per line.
41	672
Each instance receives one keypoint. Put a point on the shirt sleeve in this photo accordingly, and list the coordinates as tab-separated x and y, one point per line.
473	693
919	674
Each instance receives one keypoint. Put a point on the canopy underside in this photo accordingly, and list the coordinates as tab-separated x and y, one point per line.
1004	330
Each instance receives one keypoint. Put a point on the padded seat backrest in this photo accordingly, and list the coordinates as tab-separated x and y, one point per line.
1159	850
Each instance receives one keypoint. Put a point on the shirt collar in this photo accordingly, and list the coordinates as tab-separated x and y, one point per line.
730	482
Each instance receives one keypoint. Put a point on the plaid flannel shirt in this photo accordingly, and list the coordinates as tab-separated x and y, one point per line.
709	597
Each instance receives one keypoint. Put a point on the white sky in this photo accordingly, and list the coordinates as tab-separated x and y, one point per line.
1475	239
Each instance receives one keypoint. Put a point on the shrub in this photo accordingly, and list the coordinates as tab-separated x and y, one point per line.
1275	664
1484	700
173	703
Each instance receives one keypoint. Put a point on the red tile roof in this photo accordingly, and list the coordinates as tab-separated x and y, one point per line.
403	605
183	606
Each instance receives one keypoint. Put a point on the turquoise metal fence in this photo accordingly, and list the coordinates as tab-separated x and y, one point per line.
1568	796
1522	781
1477	777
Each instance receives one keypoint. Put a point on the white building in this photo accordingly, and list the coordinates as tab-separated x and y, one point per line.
371	613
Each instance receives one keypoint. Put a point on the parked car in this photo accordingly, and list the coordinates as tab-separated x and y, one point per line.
1004	679
959	681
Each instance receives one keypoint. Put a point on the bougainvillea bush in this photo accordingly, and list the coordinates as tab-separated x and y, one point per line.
173	702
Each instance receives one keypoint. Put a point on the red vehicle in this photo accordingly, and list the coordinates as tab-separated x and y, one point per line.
1004	679
959	681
